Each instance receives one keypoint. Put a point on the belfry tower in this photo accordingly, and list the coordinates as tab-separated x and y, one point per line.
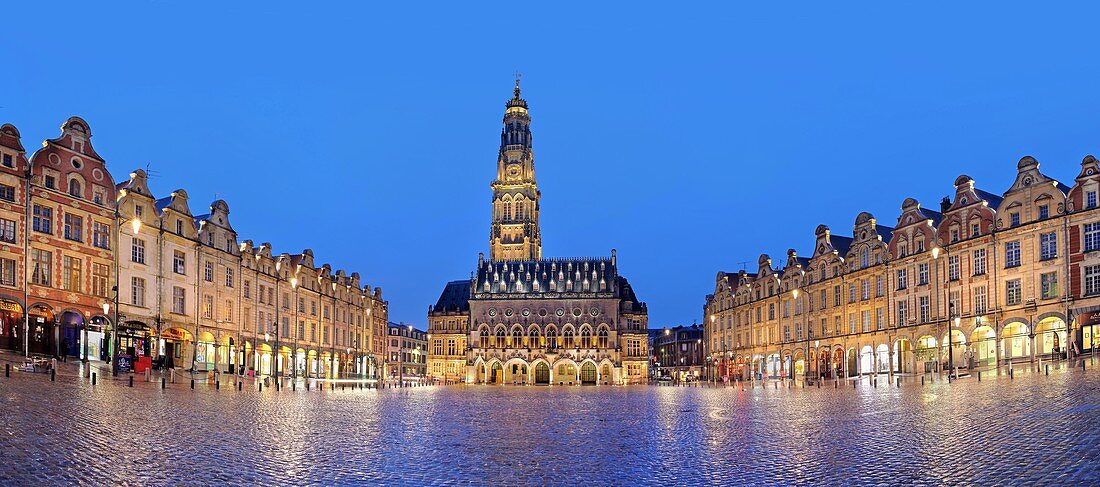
514	234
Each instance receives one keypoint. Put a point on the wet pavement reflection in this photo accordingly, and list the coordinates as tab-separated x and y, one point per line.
1030	429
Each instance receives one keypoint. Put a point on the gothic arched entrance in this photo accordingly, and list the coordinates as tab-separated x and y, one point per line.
542	373
588	373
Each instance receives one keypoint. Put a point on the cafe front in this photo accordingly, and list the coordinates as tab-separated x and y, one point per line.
11	324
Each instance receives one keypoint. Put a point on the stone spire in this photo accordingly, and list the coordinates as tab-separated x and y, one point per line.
514	233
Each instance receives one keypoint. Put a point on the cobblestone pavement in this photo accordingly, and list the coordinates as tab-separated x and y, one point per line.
1027	430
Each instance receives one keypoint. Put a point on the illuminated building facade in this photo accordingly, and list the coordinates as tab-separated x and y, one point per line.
987	280
525	319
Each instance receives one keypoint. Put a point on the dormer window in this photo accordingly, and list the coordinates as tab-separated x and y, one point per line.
8	161
954	234
179	226
1044	212
97	196
50	182
975	229
139	211
1090	199
1014	219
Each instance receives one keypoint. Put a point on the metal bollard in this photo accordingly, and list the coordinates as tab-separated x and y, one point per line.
163	383
131	380
1011	373
192	384
7	370
853	384
240	386
53	375
979	376
217	385
874	382
899	381
307	385
922	380
93	378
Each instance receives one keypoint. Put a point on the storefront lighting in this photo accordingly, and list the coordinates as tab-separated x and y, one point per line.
106	308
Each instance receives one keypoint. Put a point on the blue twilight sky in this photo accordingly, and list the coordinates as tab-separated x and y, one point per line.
690	138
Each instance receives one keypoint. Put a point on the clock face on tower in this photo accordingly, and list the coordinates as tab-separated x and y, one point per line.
513	172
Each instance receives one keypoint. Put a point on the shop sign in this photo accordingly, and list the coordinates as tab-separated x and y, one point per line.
173	334
11	307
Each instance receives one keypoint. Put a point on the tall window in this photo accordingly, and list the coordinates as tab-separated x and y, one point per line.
1090	199
246	289
851	323
101	235
924	309
979	262
137	251
1092	280
179	227
903	279
922	273
42	267
903	312
179	300
864	258
74	227
879	313
228	277
865	320
101	275
228	310
980	302
137	291
1092	236
208	272
7	272
879	291
7	230
852	292
1048	245
43	219
7	193
507	211
1012	254
208	306
179	262
836	298
70	273
1049	285
864	289
1013	292
953	267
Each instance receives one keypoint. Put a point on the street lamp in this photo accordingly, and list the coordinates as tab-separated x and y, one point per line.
950	346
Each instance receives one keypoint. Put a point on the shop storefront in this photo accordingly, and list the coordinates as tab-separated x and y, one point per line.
173	348
40	339
11	325
72	326
96	340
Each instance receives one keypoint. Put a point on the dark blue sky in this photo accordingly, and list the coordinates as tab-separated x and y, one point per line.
689	138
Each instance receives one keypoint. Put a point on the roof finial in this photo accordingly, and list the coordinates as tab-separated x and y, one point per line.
518	76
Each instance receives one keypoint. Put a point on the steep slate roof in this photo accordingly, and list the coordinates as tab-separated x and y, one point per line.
163	203
455	297
841	244
994	200
933	215
885	232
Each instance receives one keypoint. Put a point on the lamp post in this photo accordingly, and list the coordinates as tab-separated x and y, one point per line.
294	353
950	346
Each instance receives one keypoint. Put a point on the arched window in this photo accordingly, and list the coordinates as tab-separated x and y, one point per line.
864	258
534	339
517	338
601	341
551	338
75	189
507	210
500	337
519	208
586	338
483	340
568	335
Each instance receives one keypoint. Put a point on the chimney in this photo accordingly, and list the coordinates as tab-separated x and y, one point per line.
945	204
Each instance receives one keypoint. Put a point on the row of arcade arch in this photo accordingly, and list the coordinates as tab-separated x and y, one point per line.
541	372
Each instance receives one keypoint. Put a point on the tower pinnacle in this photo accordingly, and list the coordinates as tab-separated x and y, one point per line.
514	233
